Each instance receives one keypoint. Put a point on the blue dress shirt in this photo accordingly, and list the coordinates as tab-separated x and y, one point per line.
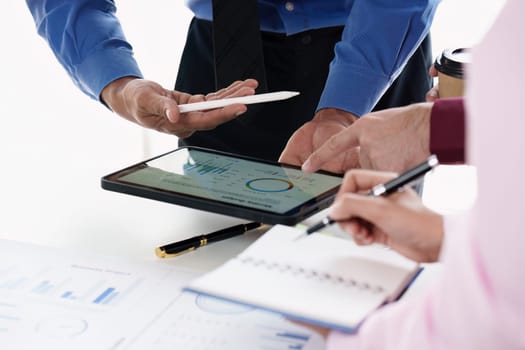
378	38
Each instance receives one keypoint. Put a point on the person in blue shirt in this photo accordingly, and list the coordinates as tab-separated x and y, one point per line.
346	57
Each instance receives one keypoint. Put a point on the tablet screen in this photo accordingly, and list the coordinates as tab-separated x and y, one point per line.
228	179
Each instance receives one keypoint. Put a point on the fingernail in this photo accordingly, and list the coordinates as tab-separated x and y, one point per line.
240	112
306	165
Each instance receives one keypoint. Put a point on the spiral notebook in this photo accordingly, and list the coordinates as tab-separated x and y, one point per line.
320	279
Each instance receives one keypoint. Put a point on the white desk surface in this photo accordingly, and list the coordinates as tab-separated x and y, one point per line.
73	213
76	214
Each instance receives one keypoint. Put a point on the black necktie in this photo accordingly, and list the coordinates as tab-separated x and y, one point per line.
237	43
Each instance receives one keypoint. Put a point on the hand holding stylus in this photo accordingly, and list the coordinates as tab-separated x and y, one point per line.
260	98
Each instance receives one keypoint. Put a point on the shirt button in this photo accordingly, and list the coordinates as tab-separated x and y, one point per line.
289	6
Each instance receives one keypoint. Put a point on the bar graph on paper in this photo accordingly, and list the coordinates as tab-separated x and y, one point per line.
65	302
75	283
61	300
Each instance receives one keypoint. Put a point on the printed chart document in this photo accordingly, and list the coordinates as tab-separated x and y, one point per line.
321	279
55	299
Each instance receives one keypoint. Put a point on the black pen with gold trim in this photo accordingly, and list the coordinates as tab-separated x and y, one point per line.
187	245
385	189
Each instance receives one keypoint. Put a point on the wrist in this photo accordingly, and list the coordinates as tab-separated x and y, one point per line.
111	93
335	115
430	246
421	120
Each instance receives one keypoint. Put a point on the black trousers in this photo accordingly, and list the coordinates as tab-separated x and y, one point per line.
296	63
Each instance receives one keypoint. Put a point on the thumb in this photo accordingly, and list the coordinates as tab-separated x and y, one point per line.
169	109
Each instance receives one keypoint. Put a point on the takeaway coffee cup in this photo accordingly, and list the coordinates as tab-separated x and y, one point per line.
450	66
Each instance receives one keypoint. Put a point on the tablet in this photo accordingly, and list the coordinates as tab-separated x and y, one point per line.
223	183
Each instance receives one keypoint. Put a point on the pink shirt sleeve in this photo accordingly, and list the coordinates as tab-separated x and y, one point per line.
478	301
447	130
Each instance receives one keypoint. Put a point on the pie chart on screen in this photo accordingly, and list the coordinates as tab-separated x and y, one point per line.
269	184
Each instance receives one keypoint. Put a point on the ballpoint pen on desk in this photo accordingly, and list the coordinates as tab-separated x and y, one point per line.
385	189
187	245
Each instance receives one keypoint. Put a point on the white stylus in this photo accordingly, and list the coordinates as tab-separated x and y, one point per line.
271	96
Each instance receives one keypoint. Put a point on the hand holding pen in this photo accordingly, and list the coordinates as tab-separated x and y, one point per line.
386	215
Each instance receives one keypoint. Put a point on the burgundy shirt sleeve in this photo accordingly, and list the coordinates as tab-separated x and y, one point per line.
447	130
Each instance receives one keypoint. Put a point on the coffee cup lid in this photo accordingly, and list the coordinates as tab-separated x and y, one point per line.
452	61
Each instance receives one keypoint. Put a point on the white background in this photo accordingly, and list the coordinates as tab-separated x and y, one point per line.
55	141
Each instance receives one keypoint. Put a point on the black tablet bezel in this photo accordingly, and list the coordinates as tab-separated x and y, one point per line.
111	182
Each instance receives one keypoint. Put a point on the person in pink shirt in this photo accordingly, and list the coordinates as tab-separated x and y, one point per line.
478	301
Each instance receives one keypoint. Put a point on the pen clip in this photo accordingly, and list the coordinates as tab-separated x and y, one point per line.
161	253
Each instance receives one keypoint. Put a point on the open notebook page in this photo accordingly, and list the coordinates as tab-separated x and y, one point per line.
321	279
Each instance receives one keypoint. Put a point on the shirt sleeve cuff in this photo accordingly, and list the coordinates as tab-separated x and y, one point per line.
103	67
447	130
349	89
